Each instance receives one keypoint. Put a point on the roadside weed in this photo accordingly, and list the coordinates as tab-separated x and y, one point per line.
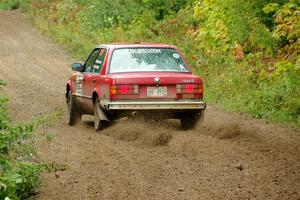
19	164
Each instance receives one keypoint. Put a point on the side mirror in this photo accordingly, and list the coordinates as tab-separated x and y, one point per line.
77	67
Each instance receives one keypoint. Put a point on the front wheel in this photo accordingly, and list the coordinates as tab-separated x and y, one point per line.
73	114
98	123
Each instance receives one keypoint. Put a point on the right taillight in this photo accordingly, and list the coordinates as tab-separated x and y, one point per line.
189	91
190	88
200	88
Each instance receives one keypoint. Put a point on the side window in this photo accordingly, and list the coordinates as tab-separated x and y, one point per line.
98	64
90	61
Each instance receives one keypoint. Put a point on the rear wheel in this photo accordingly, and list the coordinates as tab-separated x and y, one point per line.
189	120
73	114
98	123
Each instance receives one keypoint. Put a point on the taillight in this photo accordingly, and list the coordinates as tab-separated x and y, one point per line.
135	89
124	89
113	89
189	91
200	88
190	88
178	88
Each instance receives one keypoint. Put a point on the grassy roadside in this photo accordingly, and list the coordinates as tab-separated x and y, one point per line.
18	169
19	163
9	4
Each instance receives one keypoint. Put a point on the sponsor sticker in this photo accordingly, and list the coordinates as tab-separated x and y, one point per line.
182	68
141	51
78	85
176	56
96	66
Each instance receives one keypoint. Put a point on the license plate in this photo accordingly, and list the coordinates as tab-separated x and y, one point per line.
157	91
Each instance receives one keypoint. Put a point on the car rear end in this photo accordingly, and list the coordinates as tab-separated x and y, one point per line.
137	91
156	81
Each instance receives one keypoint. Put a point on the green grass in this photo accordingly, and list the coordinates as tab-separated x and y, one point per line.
9	4
54	167
19	165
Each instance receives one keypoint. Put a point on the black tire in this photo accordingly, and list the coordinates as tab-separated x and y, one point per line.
73	114
189	121
98	123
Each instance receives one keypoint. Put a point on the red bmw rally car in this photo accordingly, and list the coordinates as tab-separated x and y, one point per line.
154	79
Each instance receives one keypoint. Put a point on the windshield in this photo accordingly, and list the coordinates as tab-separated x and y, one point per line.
147	60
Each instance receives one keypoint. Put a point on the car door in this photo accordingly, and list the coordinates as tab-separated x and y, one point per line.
87	83
94	77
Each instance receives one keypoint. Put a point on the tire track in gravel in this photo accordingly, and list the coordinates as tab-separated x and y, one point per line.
230	156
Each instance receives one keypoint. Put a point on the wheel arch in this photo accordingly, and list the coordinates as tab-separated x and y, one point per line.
96	93
94	96
69	87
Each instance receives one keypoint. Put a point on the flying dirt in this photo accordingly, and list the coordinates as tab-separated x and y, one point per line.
229	156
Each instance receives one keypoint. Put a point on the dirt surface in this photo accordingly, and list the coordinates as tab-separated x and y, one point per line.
230	156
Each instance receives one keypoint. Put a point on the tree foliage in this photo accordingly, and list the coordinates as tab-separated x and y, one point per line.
246	51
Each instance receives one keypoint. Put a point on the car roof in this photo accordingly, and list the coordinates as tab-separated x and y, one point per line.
138	44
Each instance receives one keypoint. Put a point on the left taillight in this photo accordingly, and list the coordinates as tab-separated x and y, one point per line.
124	89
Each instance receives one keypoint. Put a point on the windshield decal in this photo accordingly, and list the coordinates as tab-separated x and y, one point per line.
182	68
176	56
140	51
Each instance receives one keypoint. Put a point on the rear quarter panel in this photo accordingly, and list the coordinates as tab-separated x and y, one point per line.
71	82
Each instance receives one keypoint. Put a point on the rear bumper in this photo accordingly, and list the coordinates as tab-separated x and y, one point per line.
155	105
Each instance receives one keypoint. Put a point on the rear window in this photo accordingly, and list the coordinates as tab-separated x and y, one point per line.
147	60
